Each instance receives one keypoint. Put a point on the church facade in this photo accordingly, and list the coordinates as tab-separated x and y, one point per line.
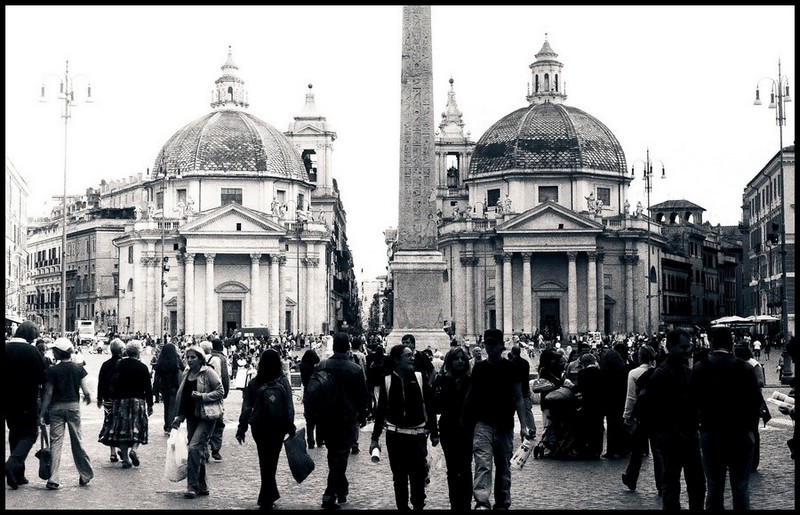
535	223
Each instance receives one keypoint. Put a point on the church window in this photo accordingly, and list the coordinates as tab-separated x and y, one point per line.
556	81
604	194
607	281
536	84
548	193
310	162
452	170
492	197
130	286
231	195
238	226
160	200
182	196
547	82
230	94
130	254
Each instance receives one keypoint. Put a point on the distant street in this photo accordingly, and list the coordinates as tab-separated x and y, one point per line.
234	482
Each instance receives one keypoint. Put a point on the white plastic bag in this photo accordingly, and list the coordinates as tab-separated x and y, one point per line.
177	455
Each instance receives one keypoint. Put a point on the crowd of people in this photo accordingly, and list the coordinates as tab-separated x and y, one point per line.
596	400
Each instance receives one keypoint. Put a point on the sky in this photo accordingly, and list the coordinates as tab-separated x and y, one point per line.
677	80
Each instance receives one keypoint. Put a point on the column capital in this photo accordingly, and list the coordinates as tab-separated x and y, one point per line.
189	257
255	257
268	258
527	256
601	256
281	259
507	256
148	261
210	257
310	262
592	255
498	258
572	255
469	261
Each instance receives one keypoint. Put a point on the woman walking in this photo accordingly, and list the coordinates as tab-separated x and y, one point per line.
307	364
166	373
105	397
269	424
450	390
199	385
132	406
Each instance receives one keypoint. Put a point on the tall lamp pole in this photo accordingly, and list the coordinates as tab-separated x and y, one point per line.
647	175
164	259
67	96
779	95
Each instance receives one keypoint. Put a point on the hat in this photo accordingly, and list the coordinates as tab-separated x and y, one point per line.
492	336
197	350
63	344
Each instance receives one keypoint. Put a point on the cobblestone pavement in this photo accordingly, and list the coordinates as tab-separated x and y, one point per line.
234	482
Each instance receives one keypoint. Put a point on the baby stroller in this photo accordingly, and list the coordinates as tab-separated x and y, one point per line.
559	440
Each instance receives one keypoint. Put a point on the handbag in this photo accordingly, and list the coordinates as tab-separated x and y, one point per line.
44	455
212	410
300	463
540	385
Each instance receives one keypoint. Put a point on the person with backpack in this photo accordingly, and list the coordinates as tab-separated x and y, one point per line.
307	365
406	409
673	422
337	401
636	422
268	409
219	362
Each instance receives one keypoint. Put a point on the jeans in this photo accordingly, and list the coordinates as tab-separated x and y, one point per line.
639	443
338	441
723	453
215	440
407	454
23	430
457	447
198	432
168	398
490	445
269	445
680	452
68	415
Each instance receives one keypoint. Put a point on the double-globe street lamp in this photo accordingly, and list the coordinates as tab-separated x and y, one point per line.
647	175
779	95
67	96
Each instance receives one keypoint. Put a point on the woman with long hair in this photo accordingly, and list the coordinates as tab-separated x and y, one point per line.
268	431
105	397
166	374
450	388
199	385
307	364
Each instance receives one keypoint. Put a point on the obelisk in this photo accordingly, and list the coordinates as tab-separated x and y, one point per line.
418	267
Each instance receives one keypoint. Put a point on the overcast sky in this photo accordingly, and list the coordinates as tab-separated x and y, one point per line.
678	79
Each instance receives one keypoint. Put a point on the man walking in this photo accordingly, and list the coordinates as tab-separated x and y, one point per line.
494	395
422	363
347	411
672	420
727	396
219	362
523	368
24	368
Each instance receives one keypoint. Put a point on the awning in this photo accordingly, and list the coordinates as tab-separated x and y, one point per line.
16	320
730	320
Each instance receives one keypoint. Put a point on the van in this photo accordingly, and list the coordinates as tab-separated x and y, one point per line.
86	332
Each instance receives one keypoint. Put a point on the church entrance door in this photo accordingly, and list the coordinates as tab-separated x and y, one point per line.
231	317
550	317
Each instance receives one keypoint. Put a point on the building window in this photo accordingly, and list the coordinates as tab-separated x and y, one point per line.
182	196
160	200
604	194
548	193
129	288
130	254
607	281
492	197
310	162
230	195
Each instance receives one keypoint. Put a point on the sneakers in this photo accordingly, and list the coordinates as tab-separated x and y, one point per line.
482	506
51	486
11	479
216	455
134	458
81	482
189	494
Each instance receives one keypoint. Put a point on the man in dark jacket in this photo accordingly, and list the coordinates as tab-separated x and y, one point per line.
348	412
672	421
728	399
24	367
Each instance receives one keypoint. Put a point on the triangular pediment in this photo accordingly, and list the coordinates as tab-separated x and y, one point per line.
308	128
232	218
549	217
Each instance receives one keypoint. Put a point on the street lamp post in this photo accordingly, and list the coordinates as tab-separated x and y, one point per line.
779	95
67	96
164	259
647	175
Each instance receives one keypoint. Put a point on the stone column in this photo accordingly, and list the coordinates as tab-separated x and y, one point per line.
470	282
591	282
572	293
181	293
274	295
601	294
527	302
508	306
281	293
310	267
151	304
211	298
189	305
498	289
255	294
628	270
459	291
636	319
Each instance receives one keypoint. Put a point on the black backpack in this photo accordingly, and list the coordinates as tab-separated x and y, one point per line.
271	407
318	399
642	406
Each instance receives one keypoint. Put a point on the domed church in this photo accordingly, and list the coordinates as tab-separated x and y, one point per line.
534	222
240	225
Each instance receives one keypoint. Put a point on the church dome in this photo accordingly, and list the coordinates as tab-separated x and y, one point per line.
230	141
547	137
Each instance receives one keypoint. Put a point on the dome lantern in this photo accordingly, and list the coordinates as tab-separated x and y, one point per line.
547	83
230	92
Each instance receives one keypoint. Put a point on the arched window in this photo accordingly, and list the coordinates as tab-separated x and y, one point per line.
536	84
130	254
546	82
129	287
556	79
230	93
